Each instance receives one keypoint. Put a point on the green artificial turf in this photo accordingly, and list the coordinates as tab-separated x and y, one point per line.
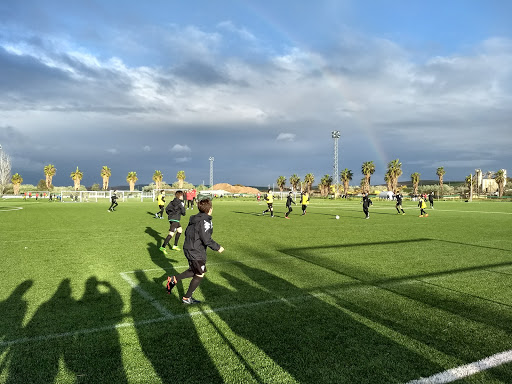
310	300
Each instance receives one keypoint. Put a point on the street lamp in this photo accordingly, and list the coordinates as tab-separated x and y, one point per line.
335	135
211	172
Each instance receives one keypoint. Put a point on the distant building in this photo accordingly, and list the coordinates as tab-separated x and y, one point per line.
485	182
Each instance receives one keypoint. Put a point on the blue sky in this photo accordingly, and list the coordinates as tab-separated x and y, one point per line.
259	85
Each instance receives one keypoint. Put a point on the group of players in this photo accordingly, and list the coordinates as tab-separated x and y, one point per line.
198	234
366	202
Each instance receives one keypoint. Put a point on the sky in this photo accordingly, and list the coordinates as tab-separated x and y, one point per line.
258	85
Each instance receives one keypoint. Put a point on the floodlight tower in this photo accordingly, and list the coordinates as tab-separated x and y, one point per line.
335	135
211	172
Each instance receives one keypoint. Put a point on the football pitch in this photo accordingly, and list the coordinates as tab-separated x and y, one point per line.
392	299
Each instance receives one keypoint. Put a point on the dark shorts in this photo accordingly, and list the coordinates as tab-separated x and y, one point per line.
197	266
174	225
269	205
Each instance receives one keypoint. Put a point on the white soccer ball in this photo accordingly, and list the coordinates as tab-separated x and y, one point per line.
337	217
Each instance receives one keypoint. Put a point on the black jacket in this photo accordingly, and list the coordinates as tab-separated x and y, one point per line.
399	199
366	202
175	209
198	236
289	202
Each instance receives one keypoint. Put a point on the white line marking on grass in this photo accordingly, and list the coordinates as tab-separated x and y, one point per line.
163	311
463	371
10	209
200	312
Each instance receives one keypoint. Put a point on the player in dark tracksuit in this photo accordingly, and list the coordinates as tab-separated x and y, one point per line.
399	208
175	209
198	236
289	202
114	204
366	205
431	199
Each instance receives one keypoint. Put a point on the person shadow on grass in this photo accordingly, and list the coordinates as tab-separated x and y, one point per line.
96	358
158	257
310	339
172	346
37	361
13	311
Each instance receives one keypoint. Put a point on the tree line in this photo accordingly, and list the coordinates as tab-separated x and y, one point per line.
105	173
393	172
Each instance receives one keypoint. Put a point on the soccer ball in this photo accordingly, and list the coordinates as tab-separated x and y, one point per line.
337	217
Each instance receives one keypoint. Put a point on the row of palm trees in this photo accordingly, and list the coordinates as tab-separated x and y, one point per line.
393	172
106	173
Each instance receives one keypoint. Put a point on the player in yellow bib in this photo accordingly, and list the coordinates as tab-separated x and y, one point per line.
304	200
422	206
161	204
269	198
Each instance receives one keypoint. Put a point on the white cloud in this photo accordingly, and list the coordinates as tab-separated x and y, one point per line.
178	148
113	151
146	148
182	159
286	137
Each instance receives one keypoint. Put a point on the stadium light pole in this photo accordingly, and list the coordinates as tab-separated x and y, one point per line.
335	135
211	172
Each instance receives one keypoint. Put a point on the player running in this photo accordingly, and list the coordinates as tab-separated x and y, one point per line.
269	198
289	201
304	200
399	197
198	237
175	209
161	204
114	204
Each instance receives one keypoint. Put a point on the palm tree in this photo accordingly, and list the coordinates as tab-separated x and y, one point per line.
469	183
132	179
440	173
395	171
294	182
157	178
77	176
325	185
367	169
105	175
309	179
281	182
16	180
499	177
389	182
415	179
181	178
346	176
49	172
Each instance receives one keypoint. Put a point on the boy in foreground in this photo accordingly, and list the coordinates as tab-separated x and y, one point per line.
198	236
175	209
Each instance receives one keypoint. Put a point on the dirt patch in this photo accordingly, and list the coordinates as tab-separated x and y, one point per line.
235	188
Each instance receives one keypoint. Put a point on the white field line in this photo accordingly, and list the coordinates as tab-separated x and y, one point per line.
200	312
160	308
11	209
392	207
466	370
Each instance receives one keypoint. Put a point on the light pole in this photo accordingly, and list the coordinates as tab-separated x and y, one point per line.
335	135
211	172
